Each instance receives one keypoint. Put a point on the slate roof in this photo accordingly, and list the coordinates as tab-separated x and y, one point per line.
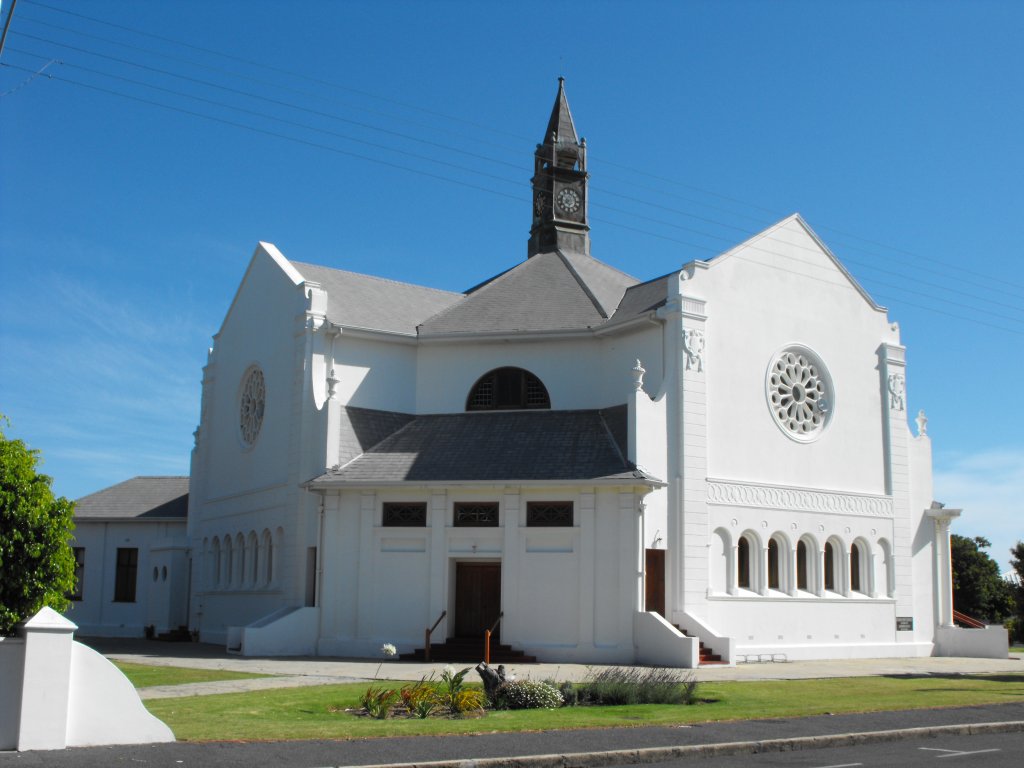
493	447
141	498
548	292
640	299
363	301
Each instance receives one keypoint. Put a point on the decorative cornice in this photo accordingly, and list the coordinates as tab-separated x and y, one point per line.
797	499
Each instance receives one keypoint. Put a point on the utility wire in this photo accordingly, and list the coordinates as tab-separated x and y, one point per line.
676	182
393	165
318	113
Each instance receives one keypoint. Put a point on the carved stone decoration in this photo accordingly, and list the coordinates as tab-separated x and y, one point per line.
638	372
922	423
693	346
332	384
252	403
800	393
797	499
897	384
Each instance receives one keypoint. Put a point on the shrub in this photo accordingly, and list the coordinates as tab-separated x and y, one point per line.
453	695
527	694
378	702
636	685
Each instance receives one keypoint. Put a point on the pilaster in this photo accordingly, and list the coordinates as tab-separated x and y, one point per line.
363	628
897	473
943	563
438	549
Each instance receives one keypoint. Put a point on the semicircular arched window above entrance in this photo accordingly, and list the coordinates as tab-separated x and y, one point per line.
507	389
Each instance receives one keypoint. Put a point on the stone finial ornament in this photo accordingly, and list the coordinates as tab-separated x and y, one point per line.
922	423
638	376
332	384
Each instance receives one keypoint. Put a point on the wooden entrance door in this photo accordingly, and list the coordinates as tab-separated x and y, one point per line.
477	598
654	581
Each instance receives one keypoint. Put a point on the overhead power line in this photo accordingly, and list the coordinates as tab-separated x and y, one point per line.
997	283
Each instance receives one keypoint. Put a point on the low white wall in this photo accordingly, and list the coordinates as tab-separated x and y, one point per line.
987	643
659	644
288	632
714	641
57	693
12	664
104	707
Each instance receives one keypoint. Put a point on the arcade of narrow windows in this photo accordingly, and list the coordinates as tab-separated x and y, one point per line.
243	561
805	567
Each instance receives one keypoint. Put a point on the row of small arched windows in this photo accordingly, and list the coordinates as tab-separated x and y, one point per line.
779	566
242	561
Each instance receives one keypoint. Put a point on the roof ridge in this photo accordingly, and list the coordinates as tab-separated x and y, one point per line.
582	283
377	277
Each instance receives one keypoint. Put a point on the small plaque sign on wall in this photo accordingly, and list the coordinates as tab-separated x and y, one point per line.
904	623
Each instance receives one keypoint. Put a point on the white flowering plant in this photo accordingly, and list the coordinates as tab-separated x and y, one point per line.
527	694
389	650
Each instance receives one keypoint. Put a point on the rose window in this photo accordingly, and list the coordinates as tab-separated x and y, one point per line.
253	403
799	393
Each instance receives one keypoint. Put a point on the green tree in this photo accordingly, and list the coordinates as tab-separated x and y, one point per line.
37	567
1017	561
979	590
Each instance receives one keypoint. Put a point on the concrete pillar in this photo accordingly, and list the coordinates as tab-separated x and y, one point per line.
943	563
45	692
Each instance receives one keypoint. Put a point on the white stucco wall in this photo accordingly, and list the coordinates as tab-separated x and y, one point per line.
160	602
761	298
389	584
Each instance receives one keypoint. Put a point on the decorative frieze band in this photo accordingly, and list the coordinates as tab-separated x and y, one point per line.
797	499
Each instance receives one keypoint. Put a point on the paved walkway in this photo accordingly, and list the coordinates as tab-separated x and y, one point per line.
302	671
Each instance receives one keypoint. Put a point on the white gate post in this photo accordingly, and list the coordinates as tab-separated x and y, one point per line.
46	686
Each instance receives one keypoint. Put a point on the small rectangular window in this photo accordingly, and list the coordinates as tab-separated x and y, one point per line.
124	578
549	514
76	591
476	515
400	515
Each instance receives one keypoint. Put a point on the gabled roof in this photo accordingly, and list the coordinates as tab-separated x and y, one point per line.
547	446
362	301
141	498
770	233
549	292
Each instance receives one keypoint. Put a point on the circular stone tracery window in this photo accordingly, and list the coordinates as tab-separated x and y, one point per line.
253	402
800	393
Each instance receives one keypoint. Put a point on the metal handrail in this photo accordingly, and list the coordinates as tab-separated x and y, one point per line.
487	638
428	632
969	621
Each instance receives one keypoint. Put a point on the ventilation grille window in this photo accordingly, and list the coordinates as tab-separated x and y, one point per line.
475	515
549	514
507	389
405	515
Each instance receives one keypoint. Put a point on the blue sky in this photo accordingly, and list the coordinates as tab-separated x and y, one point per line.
146	147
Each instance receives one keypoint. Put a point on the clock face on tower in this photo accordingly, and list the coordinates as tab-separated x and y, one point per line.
568	200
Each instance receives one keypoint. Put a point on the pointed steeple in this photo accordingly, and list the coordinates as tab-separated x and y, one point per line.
561	132
560	185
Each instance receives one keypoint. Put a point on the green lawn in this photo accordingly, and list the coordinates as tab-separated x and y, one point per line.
317	713
142	675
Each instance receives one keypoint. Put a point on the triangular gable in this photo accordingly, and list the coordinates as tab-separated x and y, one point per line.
763	240
269	251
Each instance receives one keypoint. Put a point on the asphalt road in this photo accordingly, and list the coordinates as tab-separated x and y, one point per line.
1001	750
316	754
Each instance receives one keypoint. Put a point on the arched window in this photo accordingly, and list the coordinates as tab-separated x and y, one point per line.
855	568
743	563
830	566
801	565
773	564
507	389
229	562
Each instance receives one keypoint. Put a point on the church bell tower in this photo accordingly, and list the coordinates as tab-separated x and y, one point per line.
560	185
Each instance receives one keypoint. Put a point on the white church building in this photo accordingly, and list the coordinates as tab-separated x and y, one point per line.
591	460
